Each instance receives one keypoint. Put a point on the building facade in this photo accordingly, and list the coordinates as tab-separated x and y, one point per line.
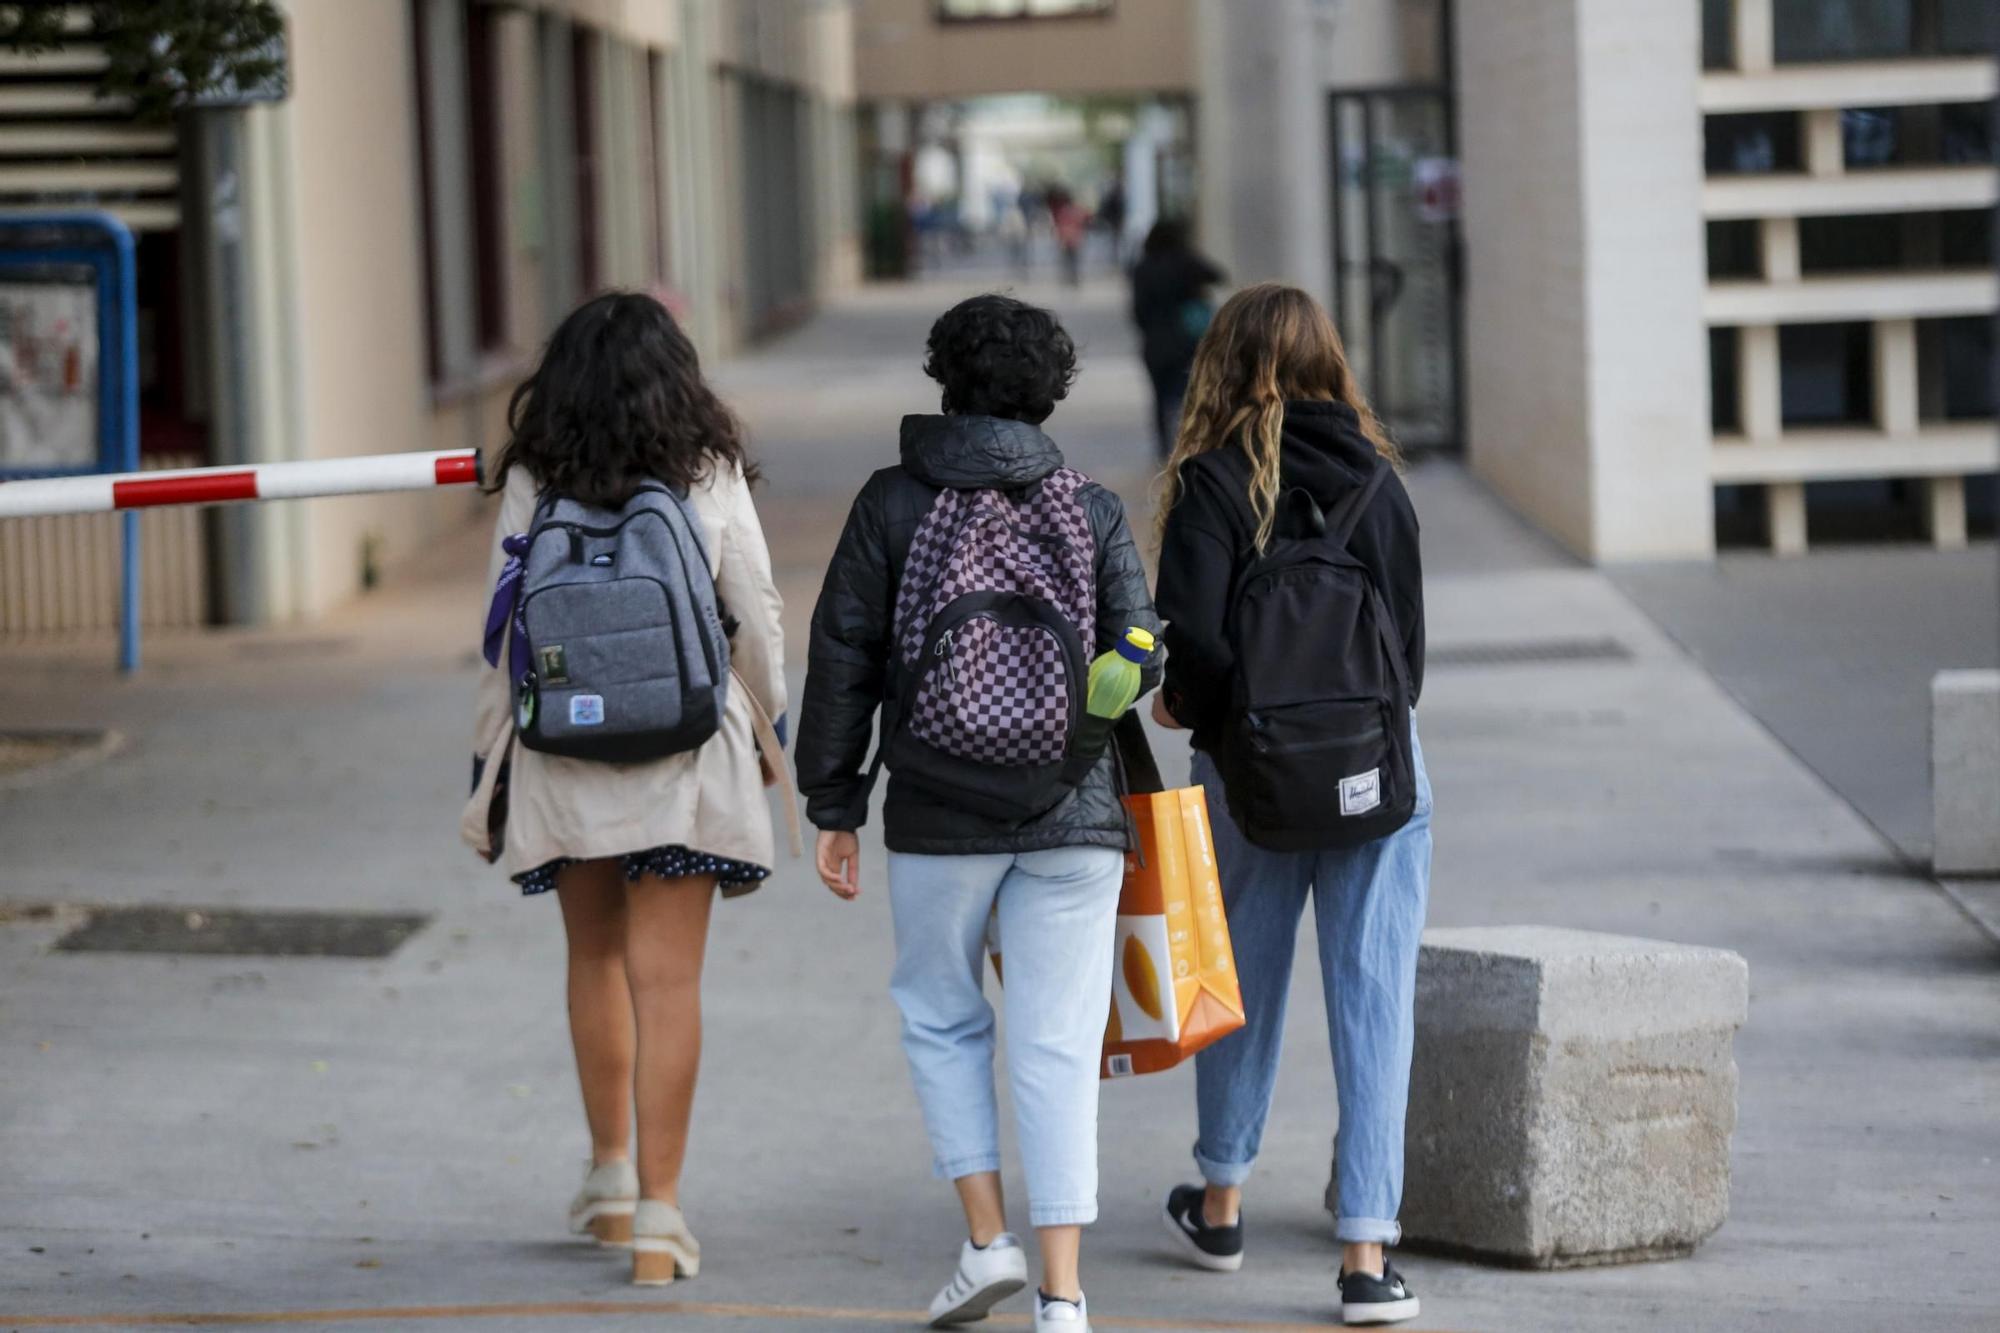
369	265
1729	267
1668	273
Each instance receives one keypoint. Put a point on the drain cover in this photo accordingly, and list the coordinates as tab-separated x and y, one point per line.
1526	651
185	930
22	752
264	649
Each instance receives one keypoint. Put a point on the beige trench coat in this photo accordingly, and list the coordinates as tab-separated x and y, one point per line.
710	799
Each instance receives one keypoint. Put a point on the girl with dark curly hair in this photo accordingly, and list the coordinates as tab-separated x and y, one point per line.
635	852
963	570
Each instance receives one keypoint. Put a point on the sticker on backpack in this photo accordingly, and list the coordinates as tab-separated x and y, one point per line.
586	710
1361	793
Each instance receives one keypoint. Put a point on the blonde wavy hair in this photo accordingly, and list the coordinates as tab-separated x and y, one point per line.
1269	344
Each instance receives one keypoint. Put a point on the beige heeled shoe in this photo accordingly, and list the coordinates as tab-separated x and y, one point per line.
603	1207
662	1246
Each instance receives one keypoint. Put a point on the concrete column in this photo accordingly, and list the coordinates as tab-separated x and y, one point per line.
1826	150
526	183
1262	138
1778	238
1752	32
244	182
557	152
453	281
1586	349
1758	408
698	181
1142	172
1944	512
1965	772
1893	343
1785	517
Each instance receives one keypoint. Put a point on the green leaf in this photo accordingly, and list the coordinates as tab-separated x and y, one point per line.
161	55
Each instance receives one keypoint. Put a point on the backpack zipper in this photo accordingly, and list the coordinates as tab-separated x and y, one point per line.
943	653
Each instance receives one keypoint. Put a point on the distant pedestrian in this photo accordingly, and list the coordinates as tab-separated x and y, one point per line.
1072	226
1292	583
1111	217
1171	305
986	817
1016	238
618	418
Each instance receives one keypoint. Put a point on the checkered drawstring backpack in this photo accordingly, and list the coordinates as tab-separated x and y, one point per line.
994	624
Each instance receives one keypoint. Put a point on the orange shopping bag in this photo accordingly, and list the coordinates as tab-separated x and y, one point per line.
1173	986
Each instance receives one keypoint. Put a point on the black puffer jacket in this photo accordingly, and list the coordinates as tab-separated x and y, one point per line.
852	649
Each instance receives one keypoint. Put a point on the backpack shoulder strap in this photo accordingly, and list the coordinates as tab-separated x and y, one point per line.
1340	524
1298	503
773	751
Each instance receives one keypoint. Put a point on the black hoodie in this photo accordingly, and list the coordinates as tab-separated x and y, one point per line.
1212	529
851	653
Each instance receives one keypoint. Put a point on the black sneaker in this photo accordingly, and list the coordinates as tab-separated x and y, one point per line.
1367	1299
1218	1249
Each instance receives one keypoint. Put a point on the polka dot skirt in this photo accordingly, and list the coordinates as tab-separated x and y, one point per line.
672	862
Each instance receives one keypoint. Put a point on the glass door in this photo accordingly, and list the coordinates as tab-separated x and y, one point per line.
1396	258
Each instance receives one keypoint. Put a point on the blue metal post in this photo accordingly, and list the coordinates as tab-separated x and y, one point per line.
127	369
103	243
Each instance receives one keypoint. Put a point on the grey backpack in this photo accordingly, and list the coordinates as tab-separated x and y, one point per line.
626	643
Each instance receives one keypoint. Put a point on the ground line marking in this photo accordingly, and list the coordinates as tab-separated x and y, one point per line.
709	1309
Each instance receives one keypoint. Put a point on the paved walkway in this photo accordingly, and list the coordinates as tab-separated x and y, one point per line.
390	1144
1835	654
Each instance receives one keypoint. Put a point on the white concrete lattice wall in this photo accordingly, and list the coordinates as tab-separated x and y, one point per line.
1899	444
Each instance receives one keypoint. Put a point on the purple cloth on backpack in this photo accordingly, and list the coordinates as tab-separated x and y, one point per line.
506	611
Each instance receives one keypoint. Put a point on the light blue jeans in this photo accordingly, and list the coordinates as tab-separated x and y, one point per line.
1058	921
1368	906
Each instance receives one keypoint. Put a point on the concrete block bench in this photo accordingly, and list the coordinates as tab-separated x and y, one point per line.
1572	1097
1965	772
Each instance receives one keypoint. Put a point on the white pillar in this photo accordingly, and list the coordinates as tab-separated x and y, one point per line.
1785	517
1944	512
1752	32
1262	137
1779	241
1142	172
1586	350
1826	147
1759	411
1893	343
249	263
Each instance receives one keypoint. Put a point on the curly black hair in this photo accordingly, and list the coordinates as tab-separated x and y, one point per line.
618	400
999	357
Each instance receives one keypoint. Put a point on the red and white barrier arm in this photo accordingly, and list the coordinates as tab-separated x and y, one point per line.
229	485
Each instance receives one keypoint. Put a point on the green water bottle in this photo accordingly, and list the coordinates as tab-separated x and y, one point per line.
1114	677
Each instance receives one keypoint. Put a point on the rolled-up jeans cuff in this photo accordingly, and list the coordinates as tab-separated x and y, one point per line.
1229	1175
960	1167
1062	1214
1367	1230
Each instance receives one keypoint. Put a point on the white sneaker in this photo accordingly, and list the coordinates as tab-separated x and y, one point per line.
1061	1316
603	1207
983	1280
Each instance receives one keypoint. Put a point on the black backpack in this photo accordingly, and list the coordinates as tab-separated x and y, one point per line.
1316	753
